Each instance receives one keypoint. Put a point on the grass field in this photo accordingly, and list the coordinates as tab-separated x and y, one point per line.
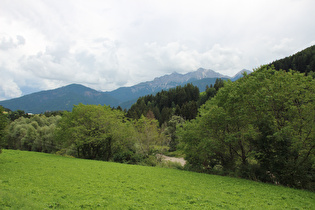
30	180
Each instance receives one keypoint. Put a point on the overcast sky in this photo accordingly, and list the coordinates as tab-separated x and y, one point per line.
108	44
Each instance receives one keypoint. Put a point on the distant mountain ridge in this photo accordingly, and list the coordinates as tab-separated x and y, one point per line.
201	73
163	83
64	98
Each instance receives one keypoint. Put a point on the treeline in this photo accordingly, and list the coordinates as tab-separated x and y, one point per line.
34	133
260	127
89	131
3	124
303	62
180	101
104	133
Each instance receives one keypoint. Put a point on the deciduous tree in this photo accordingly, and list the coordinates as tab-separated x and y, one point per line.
266	121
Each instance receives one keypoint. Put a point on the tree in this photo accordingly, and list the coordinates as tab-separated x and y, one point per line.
148	135
166	114
171	131
3	124
165	103
13	115
33	134
303	61
285	117
96	132
219	83
189	110
260	127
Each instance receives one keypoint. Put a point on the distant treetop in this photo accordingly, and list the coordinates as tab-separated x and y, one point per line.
303	61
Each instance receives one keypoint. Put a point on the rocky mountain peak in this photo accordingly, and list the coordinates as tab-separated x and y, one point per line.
240	74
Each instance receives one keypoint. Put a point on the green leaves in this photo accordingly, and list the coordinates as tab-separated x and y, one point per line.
3	124
267	117
34	134
96	131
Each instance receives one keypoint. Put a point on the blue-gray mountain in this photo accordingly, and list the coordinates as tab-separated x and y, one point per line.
165	82
65	97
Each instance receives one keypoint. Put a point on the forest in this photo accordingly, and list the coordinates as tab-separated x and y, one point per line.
260	127
303	61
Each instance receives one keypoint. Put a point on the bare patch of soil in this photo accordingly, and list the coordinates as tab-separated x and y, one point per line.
182	161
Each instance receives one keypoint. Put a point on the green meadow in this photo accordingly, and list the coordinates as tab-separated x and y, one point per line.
30	180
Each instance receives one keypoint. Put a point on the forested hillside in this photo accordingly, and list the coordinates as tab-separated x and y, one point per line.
180	101
59	99
303	61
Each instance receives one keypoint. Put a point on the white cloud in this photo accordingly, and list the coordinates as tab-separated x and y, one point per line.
7	43
178	57
283	46
107	44
9	88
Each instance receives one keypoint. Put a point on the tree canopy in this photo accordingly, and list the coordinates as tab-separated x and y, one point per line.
34	133
303	61
102	133
260	127
3	124
181	101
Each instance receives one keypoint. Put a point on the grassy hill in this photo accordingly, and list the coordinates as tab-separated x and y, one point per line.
30	180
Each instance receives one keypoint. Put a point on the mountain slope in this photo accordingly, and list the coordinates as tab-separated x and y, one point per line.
303	61
240	74
163	83
62	98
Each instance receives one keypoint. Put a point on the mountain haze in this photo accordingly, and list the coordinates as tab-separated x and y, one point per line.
163	83
64	98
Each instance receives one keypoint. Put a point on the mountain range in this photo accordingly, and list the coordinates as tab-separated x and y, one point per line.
64	98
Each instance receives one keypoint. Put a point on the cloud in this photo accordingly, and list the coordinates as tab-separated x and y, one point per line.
108	44
95	65
7	43
179	57
283	46
8	88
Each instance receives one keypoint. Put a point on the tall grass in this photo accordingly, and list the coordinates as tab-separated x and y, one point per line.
30	180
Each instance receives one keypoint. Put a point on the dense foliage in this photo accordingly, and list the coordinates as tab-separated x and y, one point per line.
102	133
181	101
259	127
33	134
3	124
13	115
303	61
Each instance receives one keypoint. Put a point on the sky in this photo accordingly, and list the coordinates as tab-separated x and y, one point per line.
107	44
